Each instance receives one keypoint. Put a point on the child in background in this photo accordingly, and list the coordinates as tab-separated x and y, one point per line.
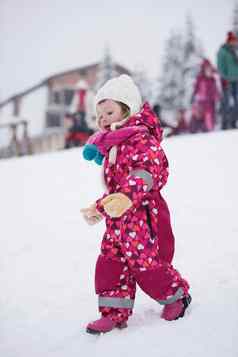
205	96
138	245
182	125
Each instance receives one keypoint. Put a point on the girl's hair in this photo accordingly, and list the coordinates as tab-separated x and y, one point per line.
125	109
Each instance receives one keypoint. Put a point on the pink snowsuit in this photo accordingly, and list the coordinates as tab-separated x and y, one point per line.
206	94
138	247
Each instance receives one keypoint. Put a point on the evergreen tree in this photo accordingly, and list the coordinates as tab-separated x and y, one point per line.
171	91
193	54
106	69
183	54
155	91
235	19
144	83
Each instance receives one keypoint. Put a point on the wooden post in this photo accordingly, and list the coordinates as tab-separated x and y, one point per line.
17	106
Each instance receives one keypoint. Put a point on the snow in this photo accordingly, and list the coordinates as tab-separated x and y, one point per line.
48	253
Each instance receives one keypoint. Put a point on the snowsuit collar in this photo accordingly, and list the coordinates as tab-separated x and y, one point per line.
106	142
143	121
147	118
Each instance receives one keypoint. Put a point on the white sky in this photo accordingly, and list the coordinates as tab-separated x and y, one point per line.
39	38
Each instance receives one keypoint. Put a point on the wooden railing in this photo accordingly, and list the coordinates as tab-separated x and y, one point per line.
50	141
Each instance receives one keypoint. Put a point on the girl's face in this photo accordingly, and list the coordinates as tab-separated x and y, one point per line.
108	112
208	72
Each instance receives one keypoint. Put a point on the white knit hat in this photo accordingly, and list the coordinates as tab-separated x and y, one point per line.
121	89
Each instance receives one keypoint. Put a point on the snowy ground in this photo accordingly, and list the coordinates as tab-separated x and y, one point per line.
47	256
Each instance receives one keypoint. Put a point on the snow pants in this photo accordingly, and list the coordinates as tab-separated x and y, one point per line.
137	248
203	116
229	105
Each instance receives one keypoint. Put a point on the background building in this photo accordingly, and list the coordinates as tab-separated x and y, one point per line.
43	106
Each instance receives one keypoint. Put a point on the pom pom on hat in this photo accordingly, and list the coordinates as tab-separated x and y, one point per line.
121	89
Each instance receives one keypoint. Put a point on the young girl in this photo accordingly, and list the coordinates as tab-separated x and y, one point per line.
205	96
138	244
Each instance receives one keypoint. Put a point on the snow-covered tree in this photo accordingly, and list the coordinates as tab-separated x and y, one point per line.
183	55
193	54
106	69
235	19
155	91
171	95
144	83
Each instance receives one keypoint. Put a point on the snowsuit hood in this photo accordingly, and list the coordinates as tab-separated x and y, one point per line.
206	64
147	118
101	142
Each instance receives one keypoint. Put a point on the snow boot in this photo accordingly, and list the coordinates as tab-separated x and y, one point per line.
177	309
103	325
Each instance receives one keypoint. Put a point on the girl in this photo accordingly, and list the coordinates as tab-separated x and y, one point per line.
138	244
205	96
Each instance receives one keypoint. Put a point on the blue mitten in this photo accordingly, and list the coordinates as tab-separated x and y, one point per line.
91	152
99	158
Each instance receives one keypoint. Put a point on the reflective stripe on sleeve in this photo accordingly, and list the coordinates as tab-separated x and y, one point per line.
178	295
145	175
115	302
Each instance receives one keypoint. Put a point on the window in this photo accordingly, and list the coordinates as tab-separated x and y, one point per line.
68	96
63	96
56	97
53	119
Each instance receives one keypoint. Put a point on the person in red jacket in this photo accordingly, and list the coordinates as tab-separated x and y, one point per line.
138	245
79	121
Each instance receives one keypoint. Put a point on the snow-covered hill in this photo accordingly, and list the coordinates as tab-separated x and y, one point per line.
47	256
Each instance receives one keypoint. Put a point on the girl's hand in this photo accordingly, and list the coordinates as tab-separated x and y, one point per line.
91	215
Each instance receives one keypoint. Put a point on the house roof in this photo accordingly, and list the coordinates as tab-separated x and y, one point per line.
54	76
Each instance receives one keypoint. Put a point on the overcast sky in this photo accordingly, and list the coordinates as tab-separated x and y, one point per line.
39	38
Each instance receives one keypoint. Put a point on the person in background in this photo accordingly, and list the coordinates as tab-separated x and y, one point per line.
77	131
78	122
227	63
206	95
182	124
82	106
158	112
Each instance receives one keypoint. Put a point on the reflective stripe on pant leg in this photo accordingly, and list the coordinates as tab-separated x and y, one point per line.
115	302
178	295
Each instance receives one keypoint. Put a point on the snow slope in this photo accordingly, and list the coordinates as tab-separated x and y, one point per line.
47	256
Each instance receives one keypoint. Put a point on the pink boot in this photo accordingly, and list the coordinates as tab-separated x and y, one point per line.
176	310
103	325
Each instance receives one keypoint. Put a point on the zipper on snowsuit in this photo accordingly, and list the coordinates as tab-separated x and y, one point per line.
149	220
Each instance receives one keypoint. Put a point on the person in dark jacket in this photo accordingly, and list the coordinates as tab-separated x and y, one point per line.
227	63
